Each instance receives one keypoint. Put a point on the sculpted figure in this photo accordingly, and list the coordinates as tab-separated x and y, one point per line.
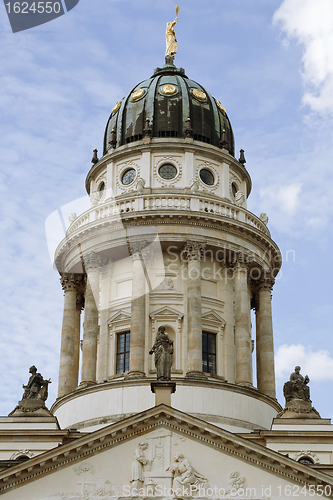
37	387
163	350
171	41
185	476
137	466
296	387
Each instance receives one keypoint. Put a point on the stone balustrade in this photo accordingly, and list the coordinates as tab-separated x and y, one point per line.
171	201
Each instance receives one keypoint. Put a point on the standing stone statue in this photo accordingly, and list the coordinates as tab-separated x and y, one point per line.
163	350
296	387
171	41
139	461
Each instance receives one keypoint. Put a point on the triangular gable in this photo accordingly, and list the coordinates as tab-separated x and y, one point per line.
166	311
119	316
201	442
213	316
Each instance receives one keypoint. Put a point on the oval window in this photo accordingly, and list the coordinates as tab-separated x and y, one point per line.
207	177
101	188
234	189
167	171
128	176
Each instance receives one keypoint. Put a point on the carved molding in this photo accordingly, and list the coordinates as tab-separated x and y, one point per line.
19	453
164	315
213	322
213	168
119	321
120	171
306	454
193	250
168	159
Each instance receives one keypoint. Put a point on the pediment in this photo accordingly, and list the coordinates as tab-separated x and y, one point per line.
213	316
119	316
103	463
166	311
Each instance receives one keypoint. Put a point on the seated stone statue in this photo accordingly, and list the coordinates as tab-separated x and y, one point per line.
37	387
296	387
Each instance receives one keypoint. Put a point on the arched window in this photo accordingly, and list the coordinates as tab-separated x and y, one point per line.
306	461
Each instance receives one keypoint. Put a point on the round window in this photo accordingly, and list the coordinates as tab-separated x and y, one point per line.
167	171
101	188
128	176
234	189
207	177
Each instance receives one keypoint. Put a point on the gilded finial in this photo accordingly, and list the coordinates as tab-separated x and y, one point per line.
171	41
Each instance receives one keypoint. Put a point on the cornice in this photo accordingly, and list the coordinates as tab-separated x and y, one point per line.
188	218
162	416
207	383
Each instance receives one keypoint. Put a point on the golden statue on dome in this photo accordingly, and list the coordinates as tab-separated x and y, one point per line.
171	41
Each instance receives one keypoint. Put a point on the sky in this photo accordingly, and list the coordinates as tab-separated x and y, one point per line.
269	62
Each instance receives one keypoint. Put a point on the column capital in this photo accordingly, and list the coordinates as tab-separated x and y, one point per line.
139	250
266	284
241	261
70	281
92	261
193	250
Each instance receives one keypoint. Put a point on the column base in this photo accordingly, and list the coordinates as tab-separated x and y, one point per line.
196	375
246	384
135	374
86	383
163	391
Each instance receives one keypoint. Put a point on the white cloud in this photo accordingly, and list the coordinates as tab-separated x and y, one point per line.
282	198
311	24
317	364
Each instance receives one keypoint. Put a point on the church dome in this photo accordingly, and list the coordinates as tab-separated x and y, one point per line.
162	106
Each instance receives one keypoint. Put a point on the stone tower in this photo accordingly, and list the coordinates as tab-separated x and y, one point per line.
168	241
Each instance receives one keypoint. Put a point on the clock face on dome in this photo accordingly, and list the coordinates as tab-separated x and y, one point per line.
168	89
137	94
199	94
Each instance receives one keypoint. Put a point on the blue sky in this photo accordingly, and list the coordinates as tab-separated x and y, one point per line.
269	62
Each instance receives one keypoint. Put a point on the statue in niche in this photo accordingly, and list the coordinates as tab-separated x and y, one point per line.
296	387
137	466
185	476
171	41
163	350
37	387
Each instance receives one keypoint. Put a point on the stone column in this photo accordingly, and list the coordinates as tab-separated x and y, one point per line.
243	340
264	339
91	328
138	310
193	252
70	336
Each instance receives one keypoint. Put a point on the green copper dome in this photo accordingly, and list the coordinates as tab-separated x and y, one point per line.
168	99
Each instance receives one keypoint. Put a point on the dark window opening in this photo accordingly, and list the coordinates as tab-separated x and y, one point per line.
101	188
234	188
123	352
134	138
167	171
202	138
207	177
209	353
168	133
306	461
128	176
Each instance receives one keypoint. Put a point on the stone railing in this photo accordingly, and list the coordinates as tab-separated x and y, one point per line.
161	202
